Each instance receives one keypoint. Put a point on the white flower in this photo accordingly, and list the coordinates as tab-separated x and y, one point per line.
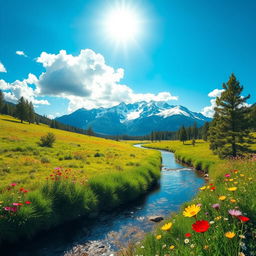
186	241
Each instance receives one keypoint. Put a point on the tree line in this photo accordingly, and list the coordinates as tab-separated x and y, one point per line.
24	110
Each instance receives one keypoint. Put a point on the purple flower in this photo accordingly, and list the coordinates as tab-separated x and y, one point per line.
234	212
207	213
216	206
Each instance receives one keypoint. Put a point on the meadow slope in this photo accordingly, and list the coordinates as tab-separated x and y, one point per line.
80	175
220	220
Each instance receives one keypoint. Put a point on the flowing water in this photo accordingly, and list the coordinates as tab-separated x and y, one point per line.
103	235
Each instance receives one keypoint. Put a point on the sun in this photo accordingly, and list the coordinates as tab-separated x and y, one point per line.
122	24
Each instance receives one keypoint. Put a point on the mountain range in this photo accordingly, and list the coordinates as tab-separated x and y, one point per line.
139	118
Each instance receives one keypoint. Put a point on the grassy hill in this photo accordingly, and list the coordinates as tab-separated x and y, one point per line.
80	175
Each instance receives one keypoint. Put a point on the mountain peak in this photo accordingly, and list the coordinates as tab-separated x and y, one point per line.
137	118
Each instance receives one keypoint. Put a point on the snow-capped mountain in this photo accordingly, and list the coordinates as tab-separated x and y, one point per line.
134	119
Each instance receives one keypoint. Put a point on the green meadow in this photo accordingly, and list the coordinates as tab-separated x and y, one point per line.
42	187
220	220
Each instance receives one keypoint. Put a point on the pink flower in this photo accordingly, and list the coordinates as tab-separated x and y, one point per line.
7	208
234	212
14	209
227	175
13	184
216	206
17	204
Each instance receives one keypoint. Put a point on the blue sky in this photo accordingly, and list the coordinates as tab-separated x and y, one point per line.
183	50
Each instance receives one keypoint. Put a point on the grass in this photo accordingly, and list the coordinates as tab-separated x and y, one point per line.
181	239
79	176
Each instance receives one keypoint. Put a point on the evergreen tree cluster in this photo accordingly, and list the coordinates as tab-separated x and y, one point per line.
25	111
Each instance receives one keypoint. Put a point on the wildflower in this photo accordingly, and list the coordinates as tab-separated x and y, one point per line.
243	218
201	226
212	188
242	236
233	200
222	198
186	241
242	175
7	208
191	210
235	182
163	246
234	212
203	188
227	175
250	178
231	179
192	246
27	202
158	237
166	226
218	218
241	254
13	184
206	247
13	209
172	247
187	235
211	222
216	206
17	204
199	205
230	235
232	189
1	202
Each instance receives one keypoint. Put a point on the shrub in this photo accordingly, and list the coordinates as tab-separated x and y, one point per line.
47	140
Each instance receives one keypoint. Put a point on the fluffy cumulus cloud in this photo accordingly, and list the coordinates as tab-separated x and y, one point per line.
209	110
87	81
21	53
2	68
13	91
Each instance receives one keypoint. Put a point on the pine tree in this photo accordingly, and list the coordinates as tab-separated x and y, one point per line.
229	133
194	131
22	110
183	134
1	101
205	130
31	113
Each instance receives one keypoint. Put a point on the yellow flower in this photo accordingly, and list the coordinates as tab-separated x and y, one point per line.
232	189
233	200
191	210
230	234
222	198
231	179
166	226
1	202
206	247
250	178
158	237
203	188
218	218
242	175
235	182
172	247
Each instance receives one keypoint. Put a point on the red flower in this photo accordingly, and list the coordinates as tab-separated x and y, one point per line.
212	188
201	226
21	189
243	218
187	235
27	202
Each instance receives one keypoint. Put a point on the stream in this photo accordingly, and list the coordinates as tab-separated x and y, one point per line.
110	231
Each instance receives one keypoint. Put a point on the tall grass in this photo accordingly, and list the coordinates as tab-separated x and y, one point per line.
39	190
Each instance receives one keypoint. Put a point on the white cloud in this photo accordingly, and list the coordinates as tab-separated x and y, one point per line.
87	81
209	110
2	68
21	53
215	93
19	88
